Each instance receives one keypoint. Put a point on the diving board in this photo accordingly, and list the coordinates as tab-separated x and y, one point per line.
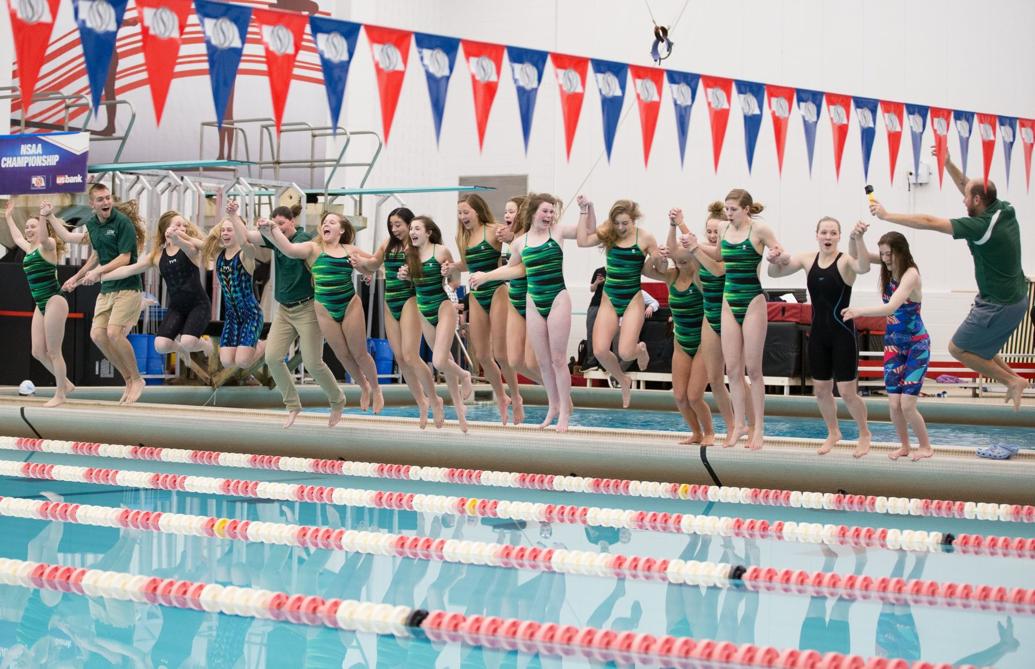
167	165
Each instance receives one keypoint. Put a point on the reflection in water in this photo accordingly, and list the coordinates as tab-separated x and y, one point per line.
830	634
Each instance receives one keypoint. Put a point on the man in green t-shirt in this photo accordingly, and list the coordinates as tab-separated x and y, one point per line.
295	319
113	238
994	239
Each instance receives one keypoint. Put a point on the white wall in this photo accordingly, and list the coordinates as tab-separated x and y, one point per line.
915	52
6	61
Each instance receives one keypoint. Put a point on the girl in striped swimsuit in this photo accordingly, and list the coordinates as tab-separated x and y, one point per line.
425	259
621	308
744	316
539	256
339	309
42	253
401	317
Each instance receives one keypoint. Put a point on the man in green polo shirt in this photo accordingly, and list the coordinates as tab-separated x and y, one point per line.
295	319
993	236
113	238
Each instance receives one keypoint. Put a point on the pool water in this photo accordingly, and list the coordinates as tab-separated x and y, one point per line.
944	434
65	630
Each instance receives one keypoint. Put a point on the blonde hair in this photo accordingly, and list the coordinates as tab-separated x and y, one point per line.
130	210
164	221
606	233
481	210
44	227
744	200
717	210
213	244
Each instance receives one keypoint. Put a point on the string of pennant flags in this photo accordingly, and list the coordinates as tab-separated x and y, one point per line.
225	29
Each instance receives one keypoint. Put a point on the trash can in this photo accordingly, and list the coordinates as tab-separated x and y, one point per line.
384	359
149	361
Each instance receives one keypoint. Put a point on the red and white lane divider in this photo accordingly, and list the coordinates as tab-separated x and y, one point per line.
587	563
904	506
676	523
489	631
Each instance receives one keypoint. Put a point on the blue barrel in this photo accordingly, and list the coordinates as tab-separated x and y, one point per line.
384	359
149	361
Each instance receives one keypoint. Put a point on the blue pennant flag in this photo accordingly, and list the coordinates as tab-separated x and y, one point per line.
684	88
810	104
437	55
336	43
610	78
99	22
752	102
916	120
526	66
1008	133
866	112
964	122
225	27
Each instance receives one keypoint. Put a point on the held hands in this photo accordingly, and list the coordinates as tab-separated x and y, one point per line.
232	207
689	242
777	257
264	225
91	277
476	280
675	216
860	229
46	208
69	285
404	273
448	267
585	204
663	251
504	233
849	314
878	210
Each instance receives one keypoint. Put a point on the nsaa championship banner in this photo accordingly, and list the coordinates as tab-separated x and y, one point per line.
43	163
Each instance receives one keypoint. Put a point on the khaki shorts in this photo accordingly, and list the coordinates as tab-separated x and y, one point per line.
120	308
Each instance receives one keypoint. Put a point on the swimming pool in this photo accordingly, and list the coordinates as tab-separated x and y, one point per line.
75	630
945	434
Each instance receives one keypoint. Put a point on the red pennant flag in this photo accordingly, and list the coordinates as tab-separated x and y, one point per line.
1026	127
282	34
840	109
986	130
893	113
571	80
484	61
391	50
717	92
161	30
648	82
941	121
781	102
32	24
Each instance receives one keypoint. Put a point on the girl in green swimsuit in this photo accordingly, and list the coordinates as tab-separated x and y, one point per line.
519	349
48	318
689	370
426	260
480	251
744	317
539	255
401	318
713	279
339	310
621	311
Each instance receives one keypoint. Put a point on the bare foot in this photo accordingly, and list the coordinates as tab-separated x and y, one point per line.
502	404
1015	392
364	396
69	387
828	445
57	400
642	356
902	452
694	438
333	419
379	400
551	413
461	417
625	384
755	442
422	407
292	415
708	439
863	446
438	411
562	421
125	392
736	435
519	408
134	389
921	453
466	388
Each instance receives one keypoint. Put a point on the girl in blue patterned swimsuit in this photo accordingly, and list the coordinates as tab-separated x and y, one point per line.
907	346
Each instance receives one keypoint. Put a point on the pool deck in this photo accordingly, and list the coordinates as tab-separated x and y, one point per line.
954	473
